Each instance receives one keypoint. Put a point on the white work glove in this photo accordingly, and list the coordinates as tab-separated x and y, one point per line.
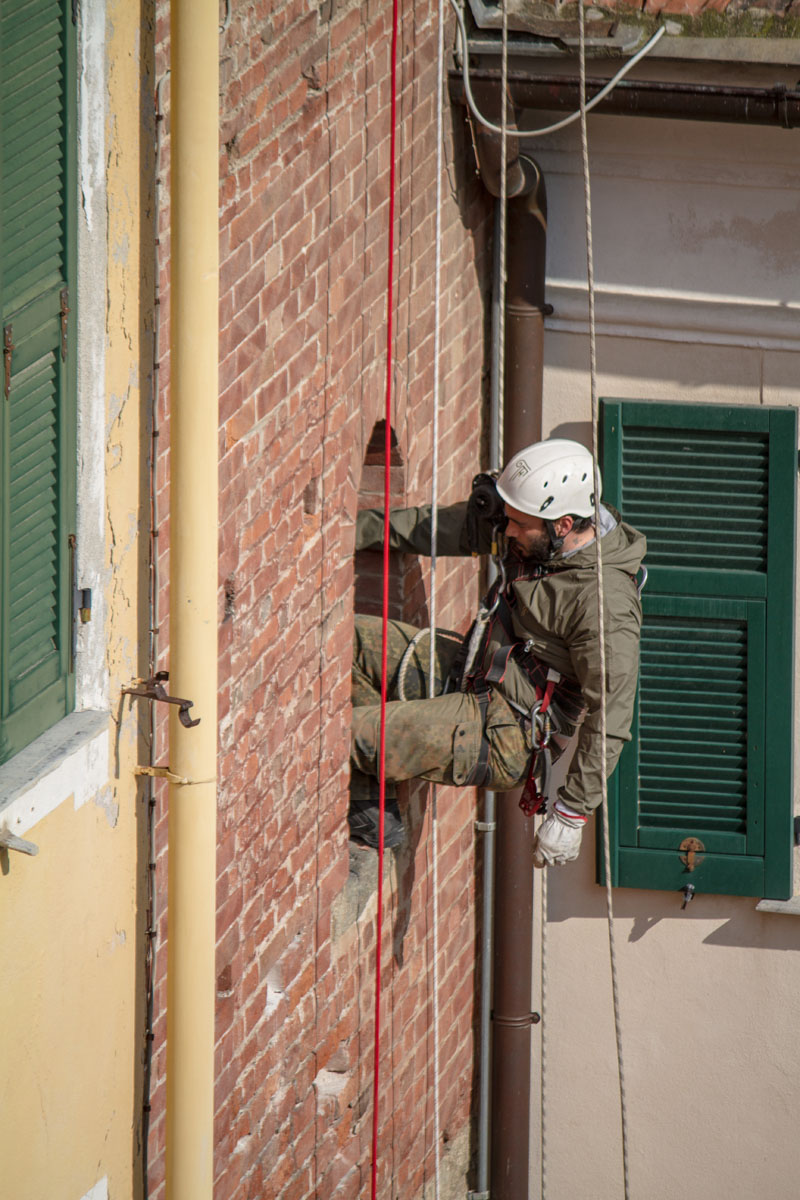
559	838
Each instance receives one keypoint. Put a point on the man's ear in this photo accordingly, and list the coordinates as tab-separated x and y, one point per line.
563	525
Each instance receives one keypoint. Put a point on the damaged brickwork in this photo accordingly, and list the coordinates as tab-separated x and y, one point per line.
304	161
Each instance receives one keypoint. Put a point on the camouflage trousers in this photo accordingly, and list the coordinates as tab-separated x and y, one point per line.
436	738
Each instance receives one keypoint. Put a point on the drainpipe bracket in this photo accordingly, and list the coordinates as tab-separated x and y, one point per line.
161	773
485	827
478	1195
521	1022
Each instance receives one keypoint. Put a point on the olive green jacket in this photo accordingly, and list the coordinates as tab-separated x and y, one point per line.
558	614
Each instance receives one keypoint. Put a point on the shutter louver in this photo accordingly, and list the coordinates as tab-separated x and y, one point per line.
37	452
33	546
33	166
712	487
693	761
722	475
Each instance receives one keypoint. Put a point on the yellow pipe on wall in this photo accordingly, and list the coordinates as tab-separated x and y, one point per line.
193	598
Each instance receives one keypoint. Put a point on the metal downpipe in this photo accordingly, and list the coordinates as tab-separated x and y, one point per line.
512	1014
193	600
507	940
489	798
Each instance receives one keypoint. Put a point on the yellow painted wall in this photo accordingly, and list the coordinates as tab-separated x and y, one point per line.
67	1007
72	991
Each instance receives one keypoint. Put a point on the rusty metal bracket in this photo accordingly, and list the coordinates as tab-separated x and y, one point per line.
692	847
153	689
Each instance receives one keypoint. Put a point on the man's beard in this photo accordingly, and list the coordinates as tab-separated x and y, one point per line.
537	548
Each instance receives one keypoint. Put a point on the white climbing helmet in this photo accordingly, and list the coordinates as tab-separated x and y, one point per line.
550	479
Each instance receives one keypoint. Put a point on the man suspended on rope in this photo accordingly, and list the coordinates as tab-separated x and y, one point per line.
510	695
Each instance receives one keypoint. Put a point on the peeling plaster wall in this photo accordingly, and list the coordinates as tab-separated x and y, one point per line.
697	260
71	1005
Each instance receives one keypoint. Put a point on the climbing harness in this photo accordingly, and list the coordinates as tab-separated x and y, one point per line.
558	703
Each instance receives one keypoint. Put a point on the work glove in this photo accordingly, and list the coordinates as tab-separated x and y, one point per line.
485	508
559	837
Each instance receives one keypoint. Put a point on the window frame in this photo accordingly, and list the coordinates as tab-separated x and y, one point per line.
766	599
49	701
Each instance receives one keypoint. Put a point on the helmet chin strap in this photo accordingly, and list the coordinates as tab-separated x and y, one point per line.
556	542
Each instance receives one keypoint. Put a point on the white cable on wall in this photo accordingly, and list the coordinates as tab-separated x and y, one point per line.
562	124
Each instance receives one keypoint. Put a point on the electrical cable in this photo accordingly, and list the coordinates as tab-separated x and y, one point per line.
385	606
562	124
437	283
151	929
600	601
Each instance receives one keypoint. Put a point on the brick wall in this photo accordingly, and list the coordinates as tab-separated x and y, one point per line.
304	155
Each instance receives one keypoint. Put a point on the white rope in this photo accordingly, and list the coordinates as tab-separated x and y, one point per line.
543	1051
562	124
501	349
600	597
432	605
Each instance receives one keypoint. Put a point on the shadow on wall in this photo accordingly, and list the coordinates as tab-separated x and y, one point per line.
573	893
405	589
368	581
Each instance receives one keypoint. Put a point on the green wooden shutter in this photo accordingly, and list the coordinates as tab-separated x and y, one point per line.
713	488
37	456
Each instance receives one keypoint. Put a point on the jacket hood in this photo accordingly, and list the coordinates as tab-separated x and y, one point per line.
623	547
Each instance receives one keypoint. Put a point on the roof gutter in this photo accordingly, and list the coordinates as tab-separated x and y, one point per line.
778	106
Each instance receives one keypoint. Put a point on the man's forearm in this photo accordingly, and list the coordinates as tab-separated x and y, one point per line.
410	530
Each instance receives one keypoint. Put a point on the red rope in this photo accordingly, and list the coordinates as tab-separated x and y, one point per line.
385	629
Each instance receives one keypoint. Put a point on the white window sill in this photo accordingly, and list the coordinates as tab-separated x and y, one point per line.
791	906
71	759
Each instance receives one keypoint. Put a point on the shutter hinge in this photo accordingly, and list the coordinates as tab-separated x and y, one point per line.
64	324
8	350
81	599
10	841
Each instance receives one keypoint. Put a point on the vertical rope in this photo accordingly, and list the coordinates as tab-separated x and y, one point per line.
501	354
437	280
385	613
543	1051
322	661
600	596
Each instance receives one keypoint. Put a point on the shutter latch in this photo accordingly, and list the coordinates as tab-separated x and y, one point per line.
64	324
692	847
8	350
